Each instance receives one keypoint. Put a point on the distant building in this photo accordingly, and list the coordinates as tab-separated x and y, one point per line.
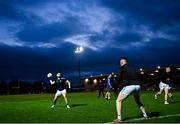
148	77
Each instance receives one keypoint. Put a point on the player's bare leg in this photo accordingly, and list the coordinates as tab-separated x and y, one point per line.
170	94
54	101
119	101
109	95
139	103
144	112
166	95
158	93
65	99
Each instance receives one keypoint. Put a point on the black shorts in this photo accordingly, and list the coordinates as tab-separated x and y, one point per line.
107	89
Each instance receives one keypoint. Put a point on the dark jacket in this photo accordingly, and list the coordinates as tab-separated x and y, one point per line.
100	85
166	78
127	76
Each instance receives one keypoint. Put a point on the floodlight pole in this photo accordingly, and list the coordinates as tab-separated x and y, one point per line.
78	51
79	68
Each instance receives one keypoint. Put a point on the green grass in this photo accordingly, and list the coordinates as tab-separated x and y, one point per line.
86	107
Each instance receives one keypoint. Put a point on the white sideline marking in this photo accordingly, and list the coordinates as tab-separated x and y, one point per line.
164	116
138	119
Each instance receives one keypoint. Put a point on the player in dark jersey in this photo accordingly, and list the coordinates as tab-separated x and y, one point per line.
101	88
165	81
61	89
130	86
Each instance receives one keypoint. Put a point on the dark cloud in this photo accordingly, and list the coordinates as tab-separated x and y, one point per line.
34	63
128	37
8	11
40	33
155	13
40	36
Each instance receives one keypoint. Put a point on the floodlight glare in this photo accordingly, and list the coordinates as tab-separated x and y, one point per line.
79	50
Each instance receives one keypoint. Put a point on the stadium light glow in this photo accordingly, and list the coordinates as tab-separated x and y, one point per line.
141	69
86	80
95	81
79	50
142	72
152	74
158	67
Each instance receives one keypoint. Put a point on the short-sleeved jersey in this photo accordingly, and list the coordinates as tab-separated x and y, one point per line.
61	83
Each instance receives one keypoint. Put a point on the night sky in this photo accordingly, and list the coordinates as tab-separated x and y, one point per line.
40	36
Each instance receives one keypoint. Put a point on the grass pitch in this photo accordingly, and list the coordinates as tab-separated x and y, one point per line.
85	108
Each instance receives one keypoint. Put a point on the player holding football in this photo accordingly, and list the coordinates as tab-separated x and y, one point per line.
130	86
164	84
61	88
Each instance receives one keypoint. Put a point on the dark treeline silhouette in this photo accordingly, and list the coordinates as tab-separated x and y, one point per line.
24	87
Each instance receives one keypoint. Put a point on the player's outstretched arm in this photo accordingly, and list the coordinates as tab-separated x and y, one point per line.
69	84
51	82
49	76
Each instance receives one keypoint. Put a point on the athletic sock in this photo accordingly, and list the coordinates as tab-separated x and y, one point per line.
166	102
119	117
145	115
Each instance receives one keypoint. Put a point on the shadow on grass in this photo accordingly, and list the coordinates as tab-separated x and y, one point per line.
173	102
77	105
153	114
149	114
129	118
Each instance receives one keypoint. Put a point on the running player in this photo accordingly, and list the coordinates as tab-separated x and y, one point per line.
166	79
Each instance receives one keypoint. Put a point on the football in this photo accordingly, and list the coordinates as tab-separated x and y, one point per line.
49	75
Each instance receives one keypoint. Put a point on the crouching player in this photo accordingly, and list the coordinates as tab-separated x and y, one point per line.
61	88
130	86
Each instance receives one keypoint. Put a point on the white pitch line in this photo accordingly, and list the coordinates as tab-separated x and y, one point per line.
138	119
164	116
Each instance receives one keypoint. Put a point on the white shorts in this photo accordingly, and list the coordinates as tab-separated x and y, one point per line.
163	86
62	92
130	89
